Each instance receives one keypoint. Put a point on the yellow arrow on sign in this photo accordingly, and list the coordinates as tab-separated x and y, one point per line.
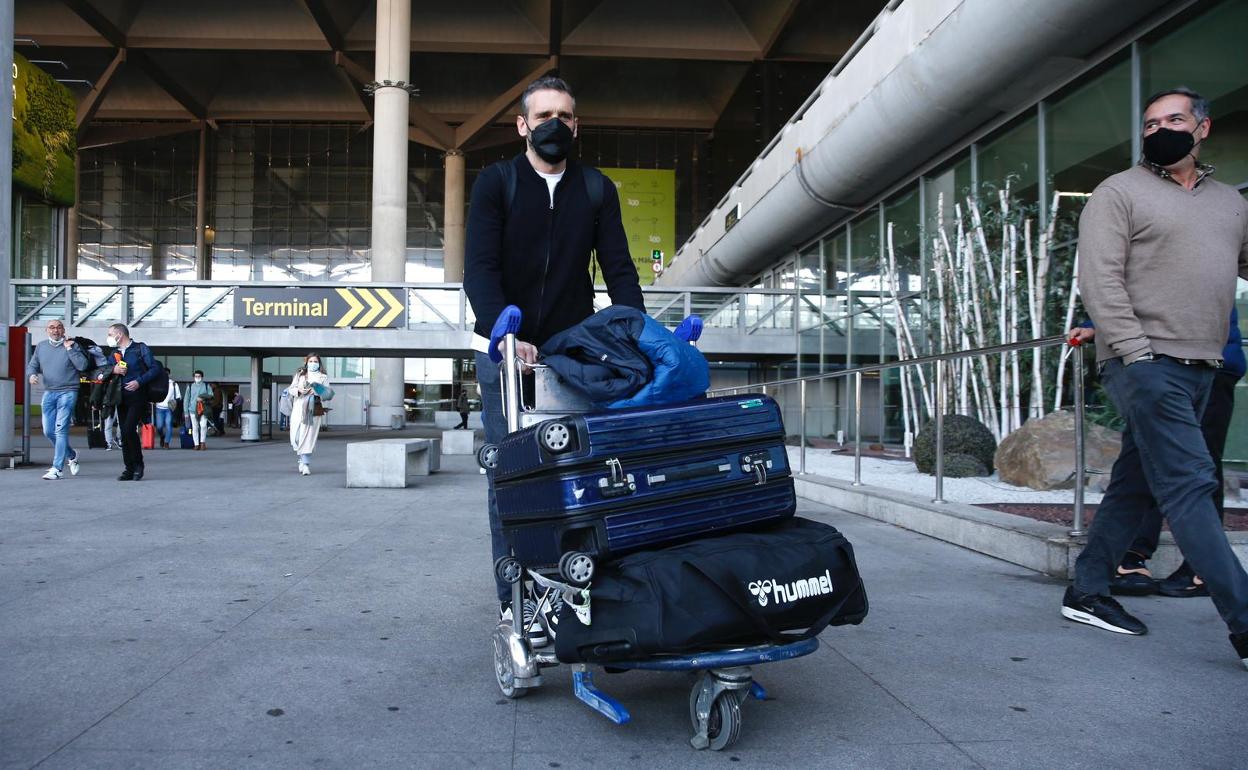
352	303
374	306
395	307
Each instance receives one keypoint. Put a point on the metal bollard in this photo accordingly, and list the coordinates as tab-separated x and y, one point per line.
857	429
801	466
940	434
1081	469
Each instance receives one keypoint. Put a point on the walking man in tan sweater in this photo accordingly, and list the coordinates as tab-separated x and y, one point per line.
1159	247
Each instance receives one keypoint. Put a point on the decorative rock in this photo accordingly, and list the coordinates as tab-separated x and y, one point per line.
963	436
1041	454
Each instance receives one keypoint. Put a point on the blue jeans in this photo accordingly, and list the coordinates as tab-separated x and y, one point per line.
1163	458
58	409
495	428
164	424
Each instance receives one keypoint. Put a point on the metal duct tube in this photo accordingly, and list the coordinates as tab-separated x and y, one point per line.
984	58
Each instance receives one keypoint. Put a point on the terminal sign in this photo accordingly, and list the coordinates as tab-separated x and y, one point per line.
343	308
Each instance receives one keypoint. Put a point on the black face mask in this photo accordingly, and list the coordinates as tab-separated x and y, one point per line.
1165	146
552	140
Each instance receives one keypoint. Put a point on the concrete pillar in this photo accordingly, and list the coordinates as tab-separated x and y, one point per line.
453	218
71	224
7	393
257	399
390	139
203	262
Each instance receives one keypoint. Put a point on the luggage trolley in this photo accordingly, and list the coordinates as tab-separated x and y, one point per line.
726	678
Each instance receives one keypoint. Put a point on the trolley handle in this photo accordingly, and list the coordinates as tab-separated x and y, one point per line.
504	332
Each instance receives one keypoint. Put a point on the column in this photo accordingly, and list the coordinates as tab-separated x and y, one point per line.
71	224
203	262
390	138
257	398
7	394
453	218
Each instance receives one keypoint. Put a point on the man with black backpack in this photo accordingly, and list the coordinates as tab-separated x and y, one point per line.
533	222
143	381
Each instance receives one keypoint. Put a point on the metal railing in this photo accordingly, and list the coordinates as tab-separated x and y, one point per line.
430	306
857	372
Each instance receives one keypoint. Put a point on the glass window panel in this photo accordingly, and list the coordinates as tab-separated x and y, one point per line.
1208	55
1010	158
1089	133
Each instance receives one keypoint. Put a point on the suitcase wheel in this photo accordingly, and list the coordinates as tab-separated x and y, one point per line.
555	437
508	569
487	456
576	567
723	724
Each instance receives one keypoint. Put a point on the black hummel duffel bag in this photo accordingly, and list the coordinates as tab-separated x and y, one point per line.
778	585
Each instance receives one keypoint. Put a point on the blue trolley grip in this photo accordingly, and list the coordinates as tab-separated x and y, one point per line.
505	328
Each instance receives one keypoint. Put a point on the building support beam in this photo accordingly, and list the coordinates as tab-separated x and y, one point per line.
453	218
91	102
390	140
170	86
203	261
474	125
71	223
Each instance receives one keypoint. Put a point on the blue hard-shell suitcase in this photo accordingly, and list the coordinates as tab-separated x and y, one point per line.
609	482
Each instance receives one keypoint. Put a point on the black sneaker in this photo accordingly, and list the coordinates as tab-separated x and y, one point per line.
1183	582
536	634
1101	612
1240	643
1132	578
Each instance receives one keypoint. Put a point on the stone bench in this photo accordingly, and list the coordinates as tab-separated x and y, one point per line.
388	462
459	442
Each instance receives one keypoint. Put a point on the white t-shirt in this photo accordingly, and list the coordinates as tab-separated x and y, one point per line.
552	181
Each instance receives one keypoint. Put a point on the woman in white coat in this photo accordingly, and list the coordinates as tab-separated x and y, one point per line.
308	389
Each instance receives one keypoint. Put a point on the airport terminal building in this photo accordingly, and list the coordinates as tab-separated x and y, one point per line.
792	170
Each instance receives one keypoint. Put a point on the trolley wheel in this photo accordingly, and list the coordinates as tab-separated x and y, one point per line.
555	437
487	456
504	673
576	567
508	569
723	728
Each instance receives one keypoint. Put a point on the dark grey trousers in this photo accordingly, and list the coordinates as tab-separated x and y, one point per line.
495	423
1164	457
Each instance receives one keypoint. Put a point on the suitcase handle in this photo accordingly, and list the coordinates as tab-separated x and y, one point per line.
504	332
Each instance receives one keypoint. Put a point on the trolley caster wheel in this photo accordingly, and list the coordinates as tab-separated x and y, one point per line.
576	567
487	456
555	437
508	569
723	726
504	670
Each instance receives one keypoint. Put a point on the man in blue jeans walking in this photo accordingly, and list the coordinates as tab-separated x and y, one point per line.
60	361
1160	245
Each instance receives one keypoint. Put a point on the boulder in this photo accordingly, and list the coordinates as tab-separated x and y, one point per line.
963	436
1041	454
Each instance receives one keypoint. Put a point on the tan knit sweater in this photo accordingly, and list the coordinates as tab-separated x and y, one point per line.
1157	265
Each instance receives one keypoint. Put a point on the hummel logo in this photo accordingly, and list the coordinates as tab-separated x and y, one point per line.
769	590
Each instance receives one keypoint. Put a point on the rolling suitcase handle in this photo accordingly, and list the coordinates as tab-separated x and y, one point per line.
505	329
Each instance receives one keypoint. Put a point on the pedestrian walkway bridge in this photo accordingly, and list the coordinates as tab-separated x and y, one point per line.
424	319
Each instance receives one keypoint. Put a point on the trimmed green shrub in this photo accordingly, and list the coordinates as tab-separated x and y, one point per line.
963	436
963	466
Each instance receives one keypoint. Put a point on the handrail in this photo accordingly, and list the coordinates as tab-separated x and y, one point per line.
448	286
858	371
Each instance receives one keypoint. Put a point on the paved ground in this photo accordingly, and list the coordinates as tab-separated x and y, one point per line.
227	613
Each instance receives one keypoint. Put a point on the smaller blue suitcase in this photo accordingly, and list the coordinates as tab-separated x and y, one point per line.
188	440
610	482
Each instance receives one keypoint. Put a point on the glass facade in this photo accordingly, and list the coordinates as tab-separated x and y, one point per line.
292	201
1066	143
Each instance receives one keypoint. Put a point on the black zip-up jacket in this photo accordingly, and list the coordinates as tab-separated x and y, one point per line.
536	256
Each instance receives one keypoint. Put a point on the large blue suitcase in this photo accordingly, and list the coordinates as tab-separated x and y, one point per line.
605	483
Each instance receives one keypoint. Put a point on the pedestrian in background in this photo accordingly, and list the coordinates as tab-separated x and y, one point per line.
196	406
61	362
309	388
462	406
164	414
137	368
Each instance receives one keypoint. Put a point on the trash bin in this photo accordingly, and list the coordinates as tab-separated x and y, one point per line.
397	422
251	426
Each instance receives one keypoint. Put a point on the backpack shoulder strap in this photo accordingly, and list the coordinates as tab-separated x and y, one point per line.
509	185
593	185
